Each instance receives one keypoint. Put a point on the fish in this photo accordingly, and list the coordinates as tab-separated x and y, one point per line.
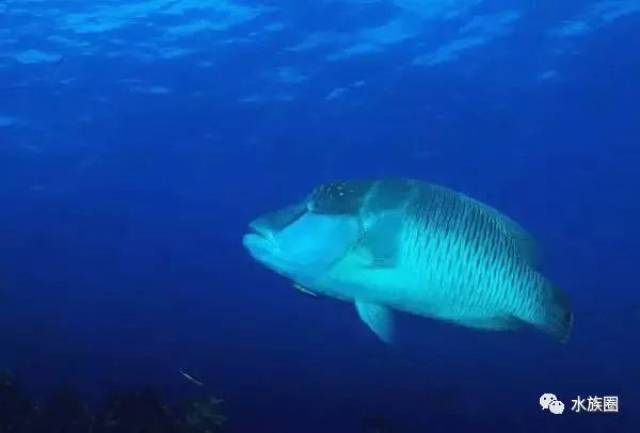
408	246
190	378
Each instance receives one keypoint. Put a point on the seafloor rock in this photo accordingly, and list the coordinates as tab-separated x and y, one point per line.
17	413
136	412
64	412
202	416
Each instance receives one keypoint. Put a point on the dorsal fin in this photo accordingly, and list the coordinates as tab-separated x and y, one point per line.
523	241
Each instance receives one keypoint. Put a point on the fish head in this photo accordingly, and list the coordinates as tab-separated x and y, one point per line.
300	243
336	221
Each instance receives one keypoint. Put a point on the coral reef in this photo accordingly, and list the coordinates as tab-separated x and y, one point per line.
134	411
203	416
17	413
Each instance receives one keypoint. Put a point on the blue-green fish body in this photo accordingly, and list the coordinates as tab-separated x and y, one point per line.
413	247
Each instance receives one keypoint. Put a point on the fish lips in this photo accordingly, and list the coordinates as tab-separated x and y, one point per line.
260	242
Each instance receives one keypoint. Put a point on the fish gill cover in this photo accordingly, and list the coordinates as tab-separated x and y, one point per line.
139	138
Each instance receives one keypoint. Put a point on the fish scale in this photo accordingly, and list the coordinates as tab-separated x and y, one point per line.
468	266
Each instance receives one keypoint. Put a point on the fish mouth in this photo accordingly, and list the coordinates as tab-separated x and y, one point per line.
260	231
259	241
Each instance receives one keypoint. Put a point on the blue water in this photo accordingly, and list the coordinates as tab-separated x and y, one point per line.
138	139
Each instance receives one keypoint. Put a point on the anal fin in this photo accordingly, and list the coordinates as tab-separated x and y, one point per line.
496	323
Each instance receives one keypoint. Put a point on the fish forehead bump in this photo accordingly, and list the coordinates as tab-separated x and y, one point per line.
361	196
339	197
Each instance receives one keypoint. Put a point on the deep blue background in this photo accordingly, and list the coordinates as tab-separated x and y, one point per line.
120	235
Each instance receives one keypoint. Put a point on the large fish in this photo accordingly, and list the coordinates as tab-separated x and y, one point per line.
414	247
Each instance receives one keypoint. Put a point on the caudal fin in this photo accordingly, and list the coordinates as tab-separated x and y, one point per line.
555	315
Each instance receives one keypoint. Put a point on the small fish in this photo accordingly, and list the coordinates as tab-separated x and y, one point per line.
190	378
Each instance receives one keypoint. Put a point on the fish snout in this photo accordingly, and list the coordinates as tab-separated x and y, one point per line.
260	243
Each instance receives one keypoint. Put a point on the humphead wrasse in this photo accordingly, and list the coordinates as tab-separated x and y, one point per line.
414	247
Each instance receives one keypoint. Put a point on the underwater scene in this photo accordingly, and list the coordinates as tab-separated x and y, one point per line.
345	216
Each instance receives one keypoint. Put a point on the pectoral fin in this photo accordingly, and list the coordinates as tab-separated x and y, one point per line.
380	240
378	318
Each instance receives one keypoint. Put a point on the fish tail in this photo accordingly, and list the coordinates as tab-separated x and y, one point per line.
556	317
